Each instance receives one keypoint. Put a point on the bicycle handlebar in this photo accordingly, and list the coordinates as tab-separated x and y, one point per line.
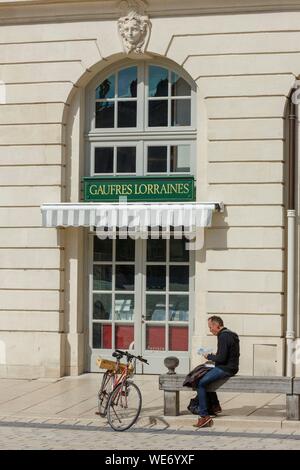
130	356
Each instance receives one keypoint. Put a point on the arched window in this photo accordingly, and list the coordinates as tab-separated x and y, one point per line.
141	122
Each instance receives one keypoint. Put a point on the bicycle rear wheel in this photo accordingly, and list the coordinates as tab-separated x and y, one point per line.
104	393
124	406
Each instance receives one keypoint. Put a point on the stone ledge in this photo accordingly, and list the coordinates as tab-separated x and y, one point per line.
39	11
220	424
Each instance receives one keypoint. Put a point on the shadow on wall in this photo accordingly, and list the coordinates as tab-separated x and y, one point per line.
215	237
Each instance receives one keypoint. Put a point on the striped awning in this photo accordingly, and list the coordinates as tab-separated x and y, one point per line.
135	216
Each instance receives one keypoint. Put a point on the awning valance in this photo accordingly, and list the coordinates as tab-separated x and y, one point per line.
133	216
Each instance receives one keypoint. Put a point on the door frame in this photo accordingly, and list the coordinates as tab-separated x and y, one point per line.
139	325
155	357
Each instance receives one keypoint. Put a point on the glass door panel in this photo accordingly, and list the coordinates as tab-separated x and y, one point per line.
140	299
155	338
101	336
124	336
166	303
155	307
124	307
112	296
178	338
102	306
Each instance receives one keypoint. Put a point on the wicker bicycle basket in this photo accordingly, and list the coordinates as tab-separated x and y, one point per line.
111	365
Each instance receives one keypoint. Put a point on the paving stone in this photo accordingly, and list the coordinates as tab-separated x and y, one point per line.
54	421
60	415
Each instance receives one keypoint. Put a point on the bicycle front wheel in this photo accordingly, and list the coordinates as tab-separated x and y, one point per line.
104	393
124	406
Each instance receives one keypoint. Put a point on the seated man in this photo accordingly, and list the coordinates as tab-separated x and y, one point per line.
226	362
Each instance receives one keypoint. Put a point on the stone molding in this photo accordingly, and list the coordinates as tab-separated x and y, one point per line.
41	11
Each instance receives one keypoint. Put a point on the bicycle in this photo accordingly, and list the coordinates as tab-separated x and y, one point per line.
119	398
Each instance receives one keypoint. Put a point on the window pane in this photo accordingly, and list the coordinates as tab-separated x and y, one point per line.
126	158
127	83
155	338
179	278
158	81
156	250
106	89
104	160
178	251
157	159
156	278
125	249
178	338
102	306
179	307
102	249
105	113
101	336
124	307
102	277
179	86
158	113
181	113
180	158
124	277
155	307
127	114
124	336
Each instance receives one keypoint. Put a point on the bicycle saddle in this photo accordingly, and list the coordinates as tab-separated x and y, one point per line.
117	355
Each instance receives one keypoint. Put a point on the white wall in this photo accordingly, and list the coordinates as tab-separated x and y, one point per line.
244	66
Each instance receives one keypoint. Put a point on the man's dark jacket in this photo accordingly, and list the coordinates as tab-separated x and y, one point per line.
195	375
228	352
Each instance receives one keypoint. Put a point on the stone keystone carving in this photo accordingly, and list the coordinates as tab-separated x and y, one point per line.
134	27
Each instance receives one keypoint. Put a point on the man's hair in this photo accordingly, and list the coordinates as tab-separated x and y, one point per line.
216	319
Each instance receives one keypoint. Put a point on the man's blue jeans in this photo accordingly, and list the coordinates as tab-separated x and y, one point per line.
211	376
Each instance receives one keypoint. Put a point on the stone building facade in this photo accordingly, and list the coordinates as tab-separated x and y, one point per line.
237	63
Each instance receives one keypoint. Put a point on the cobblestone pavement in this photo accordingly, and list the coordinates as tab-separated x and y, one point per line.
39	436
60	414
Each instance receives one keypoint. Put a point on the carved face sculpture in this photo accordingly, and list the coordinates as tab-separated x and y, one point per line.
132	31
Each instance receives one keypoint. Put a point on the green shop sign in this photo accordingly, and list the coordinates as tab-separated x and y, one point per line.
139	189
